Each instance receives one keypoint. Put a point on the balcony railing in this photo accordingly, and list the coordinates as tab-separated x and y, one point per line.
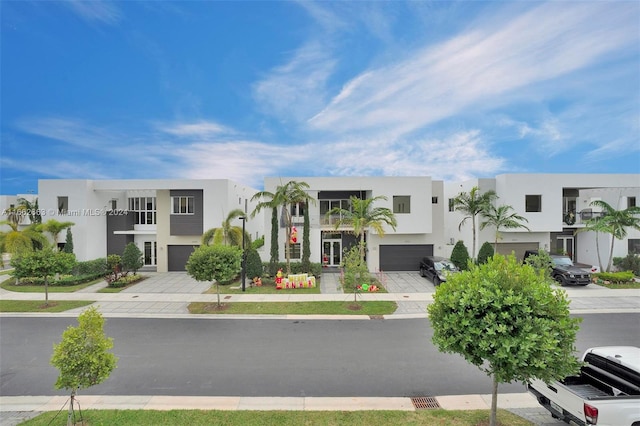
581	217
318	221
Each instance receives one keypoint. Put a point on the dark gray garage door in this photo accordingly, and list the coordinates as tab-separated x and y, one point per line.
178	256
517	248
403	257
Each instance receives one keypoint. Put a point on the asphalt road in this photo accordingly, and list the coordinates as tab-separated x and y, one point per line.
269	357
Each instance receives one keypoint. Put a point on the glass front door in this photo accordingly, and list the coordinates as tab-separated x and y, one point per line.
564	245
150	253
331	252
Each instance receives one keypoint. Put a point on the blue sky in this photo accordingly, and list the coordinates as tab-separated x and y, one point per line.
244	90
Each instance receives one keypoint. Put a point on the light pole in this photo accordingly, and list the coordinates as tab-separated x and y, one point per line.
243	273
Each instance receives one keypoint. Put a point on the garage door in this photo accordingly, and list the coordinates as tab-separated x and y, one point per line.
178	256
403	257
517	248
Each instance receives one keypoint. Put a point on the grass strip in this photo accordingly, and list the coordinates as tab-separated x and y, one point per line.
296	308
630	284
281	418
39	306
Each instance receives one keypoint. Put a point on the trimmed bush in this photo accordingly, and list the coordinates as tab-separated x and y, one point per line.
296	268
125	280
485	253
615	277
132	258
630	262
253	264
460	256
97	267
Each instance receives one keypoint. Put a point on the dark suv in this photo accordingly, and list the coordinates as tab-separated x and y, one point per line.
436	269
564	271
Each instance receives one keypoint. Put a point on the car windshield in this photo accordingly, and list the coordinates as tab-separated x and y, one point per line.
562	261
445	266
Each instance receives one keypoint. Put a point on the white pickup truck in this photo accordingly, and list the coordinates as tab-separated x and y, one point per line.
605	393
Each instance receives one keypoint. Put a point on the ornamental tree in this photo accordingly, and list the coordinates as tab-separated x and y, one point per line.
460	255
68	242
43	264
215	263
504	318
83	356
132	258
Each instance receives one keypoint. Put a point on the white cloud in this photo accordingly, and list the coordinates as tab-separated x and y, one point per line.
479	66
105	12
195	129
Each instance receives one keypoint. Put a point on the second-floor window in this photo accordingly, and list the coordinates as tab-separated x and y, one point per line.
63	205
144	210
533	203
182	205
298	209
631	202
401	204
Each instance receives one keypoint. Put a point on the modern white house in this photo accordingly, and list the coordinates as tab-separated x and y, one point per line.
164	218
167	217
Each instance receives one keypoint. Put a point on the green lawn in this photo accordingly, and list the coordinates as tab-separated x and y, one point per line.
630	284
281	418
296	308
38	305
9	285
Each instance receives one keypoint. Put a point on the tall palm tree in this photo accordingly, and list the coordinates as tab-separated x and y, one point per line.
596	225
285	196
227	234
15	215
616	222
54	228
501	217
362	215
472	204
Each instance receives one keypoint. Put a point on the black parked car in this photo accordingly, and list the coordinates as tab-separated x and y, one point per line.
437	269
564	271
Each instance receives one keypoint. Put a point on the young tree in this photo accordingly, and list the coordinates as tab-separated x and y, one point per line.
132	258
54	228
227	234
361	216
486	252
83	356
68	242
501	218
306	244
472	204
460	255
287	195
215	263
504	318
43	264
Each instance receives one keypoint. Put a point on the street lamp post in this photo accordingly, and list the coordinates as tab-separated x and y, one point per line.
243	273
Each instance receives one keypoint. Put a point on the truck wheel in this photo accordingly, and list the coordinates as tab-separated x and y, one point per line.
422	272
561	280
436	281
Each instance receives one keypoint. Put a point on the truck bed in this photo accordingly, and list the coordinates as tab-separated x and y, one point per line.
587	391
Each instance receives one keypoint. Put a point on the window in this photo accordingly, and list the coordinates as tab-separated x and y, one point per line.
634	245
114	204
63	205
631	202
434	200
182	205
144	210
298	209
533	203
401	204
294	251
452	204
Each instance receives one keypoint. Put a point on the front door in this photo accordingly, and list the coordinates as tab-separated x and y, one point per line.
564	245
331	252
150	253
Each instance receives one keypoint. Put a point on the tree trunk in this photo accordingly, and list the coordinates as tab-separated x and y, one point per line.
494	401
613	239
473	228
598	251
218	291
70	412
46	291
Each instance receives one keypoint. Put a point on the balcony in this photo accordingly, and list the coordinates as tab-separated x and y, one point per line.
581	218
318	221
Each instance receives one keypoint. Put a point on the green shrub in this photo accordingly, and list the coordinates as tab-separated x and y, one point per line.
630	262
541	262
132	258
615	277
485	253
97	267
125	280
460	256
253	263
356	271
296	268
257	243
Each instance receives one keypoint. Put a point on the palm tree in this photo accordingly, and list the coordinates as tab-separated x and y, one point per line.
227	234
285	196
597	226
472	204
17	242
361	216
616	222
32	209
15	215
54	227
501	217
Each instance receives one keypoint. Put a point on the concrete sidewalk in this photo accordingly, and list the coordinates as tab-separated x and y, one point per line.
14	409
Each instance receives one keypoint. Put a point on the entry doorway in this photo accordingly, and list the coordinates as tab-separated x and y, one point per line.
332	252
565	245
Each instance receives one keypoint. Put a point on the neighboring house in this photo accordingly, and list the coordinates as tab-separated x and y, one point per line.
415	201
165	218
555	205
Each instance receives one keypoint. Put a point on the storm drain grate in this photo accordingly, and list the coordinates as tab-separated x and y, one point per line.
425	403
